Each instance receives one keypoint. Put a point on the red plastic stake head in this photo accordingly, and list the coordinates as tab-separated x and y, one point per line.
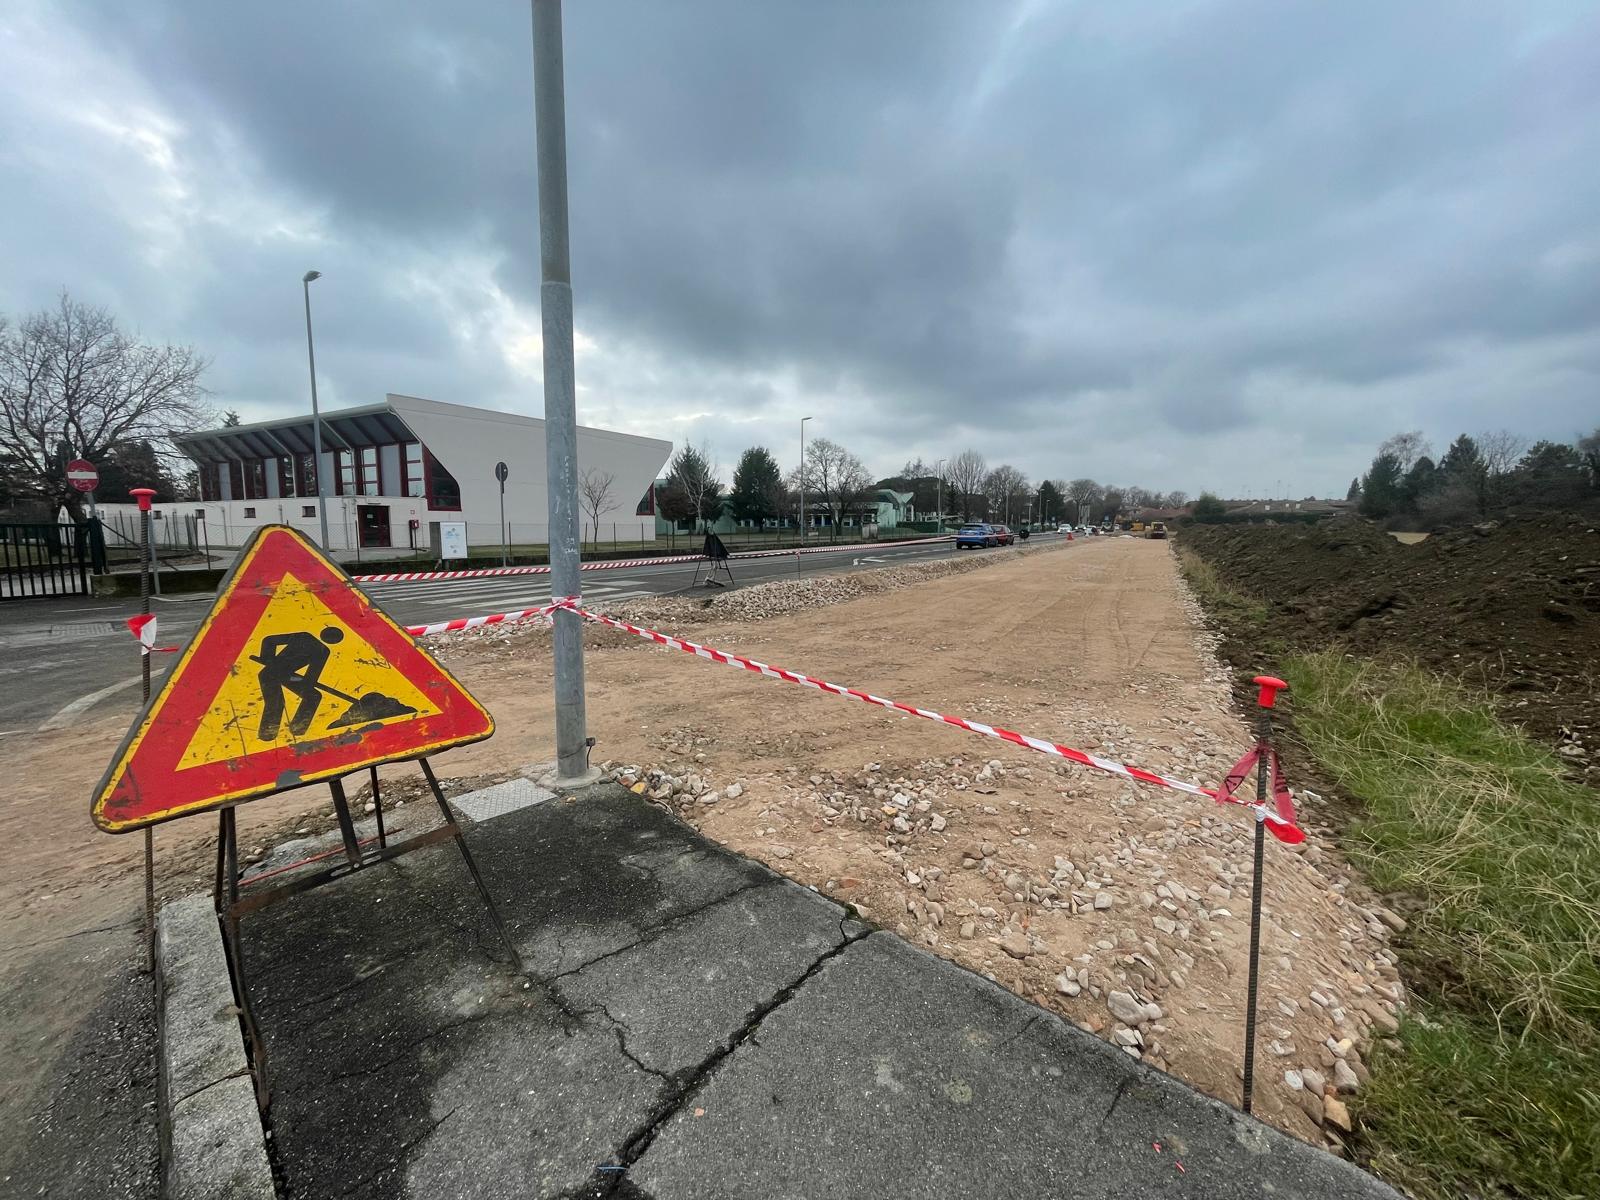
143	496
1270	686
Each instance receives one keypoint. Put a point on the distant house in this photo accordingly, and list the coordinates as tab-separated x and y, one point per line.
885	508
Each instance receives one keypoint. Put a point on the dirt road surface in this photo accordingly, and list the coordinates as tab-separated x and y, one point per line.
1126	909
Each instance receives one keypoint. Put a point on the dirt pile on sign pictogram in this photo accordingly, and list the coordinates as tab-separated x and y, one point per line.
294	677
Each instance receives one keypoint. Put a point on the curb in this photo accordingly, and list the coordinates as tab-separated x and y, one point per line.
213	1146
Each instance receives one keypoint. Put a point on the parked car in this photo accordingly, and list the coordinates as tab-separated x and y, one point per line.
1094	531
1003	534
976	537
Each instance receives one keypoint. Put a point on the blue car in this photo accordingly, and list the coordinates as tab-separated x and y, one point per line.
976	536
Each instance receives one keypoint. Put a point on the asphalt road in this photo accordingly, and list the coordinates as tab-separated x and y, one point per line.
67	658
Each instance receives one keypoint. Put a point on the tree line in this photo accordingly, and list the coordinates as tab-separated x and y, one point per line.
836	483
1477	477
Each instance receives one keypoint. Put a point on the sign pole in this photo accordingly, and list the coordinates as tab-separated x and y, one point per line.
144	496
560	394
500	473
1266	697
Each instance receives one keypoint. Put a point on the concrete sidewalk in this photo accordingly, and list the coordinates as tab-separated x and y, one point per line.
696	1027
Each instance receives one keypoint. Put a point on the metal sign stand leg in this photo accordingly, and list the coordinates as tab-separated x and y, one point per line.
225	895
472	868
230	907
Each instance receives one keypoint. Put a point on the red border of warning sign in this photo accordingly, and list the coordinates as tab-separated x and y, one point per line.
144	786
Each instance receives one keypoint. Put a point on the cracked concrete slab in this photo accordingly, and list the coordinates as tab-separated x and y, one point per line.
694	1018
895	1074
677	995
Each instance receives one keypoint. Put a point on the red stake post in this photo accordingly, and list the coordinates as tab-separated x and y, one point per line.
1266	763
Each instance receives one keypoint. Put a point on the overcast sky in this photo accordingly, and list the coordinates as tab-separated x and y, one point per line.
1179	244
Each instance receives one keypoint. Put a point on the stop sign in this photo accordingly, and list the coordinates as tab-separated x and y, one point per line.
82	475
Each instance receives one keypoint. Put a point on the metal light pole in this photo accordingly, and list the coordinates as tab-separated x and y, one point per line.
316	413
560	397
803	421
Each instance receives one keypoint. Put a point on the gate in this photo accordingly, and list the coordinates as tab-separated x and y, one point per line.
48	560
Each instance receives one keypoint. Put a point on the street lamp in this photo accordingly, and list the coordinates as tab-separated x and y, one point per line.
939	491
316	414
803	421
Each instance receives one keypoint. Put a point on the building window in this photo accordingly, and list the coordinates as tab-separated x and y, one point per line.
443	490
285	476
345	475
308	510
305	475
210	482
255	480
235	481
416	484
371	475
647	506
249	514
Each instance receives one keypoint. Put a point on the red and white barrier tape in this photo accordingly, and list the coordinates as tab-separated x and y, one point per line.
505	618
1282	828
619	564
143	628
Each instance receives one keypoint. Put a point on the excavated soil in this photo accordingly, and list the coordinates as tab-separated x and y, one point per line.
1513	608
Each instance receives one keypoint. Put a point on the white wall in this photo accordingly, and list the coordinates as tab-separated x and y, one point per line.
469	441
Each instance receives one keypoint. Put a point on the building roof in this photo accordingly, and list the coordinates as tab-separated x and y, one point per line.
397	419
372	425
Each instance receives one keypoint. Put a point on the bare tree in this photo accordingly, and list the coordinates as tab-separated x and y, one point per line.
838	476
1083	493
1500	451
594	488
73	385
1007	489
966	472
1406	448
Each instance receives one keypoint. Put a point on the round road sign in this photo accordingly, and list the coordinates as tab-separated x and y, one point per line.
82	475
500	471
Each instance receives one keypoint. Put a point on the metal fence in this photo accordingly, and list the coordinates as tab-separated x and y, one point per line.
46	559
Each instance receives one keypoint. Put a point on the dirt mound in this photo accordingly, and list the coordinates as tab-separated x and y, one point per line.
1513	607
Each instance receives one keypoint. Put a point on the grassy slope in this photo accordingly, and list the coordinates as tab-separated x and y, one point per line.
1497	1088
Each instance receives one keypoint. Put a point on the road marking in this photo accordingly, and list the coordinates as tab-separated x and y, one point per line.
83	703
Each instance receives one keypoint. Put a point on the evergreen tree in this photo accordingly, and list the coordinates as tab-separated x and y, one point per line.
1208	509
1354	494
1419	481
230	419
757	486
693	489
1382	488
1463	462
1052	504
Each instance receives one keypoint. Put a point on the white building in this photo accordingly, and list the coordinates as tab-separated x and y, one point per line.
394	469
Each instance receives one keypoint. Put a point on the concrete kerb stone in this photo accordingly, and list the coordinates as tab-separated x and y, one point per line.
214	1147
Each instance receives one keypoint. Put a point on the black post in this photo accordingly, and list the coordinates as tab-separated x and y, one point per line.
1265	697
143	496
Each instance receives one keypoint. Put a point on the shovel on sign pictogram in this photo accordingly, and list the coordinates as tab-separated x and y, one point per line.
374	706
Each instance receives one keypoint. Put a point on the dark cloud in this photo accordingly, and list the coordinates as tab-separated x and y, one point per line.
1154	242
